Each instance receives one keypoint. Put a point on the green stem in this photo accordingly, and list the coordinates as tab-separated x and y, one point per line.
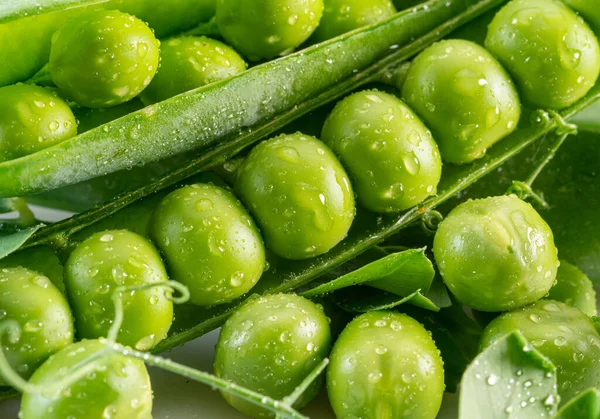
310	378
524	189
26	217
209	379
394	75
42	77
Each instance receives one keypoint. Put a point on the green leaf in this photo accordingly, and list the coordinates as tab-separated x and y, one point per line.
361	299
585	406
589	118
12	243
510	379
388	272
6	205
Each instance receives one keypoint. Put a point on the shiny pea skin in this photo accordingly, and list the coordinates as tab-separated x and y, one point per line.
114	258
43	315
341	16
32	119
385	365
299	194
464	96
552	54
574	288
117	388
496	254
563	334
187	63
103	58
270	345
588	10
391	157
264	29
210	243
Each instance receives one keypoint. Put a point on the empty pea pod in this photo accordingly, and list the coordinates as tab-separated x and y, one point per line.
391	157
210	243
299	194
105	261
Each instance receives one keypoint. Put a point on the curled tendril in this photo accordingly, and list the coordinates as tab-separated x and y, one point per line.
81	369
431	220
171	286
563	126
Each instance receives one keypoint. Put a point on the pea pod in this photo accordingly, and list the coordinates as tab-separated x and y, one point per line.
261	93
26	26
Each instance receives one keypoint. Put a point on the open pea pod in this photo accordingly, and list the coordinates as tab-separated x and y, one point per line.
226	109
26	26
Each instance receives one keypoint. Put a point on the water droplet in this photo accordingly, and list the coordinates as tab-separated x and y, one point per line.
142	49
145	343
310	346
375	377
107	238
381	349
288	154
534	318
411	163
153	300
203	205
33	326
237	279
492	380
54	126
381	323
560	341
414	138
396	325
408	377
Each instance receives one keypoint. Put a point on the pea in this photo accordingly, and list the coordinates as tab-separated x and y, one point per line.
574	288
390	155
210	243
270	345
341	16
464	96
385	365
187	63
263	29
496	254
552	54
563	334
42	313
103	58
117	388
299	194
32	119
114	258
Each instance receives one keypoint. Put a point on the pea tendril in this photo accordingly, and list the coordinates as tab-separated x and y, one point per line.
282	408
524	189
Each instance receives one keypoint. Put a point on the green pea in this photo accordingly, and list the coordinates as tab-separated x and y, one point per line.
341	16
118	258
42	313
210	243
32	119
187	63
464	96
385	365
552	54
263	29
270	345
90	118
104	58
563	334
496	254
299	194
117	387
390	155
574	288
